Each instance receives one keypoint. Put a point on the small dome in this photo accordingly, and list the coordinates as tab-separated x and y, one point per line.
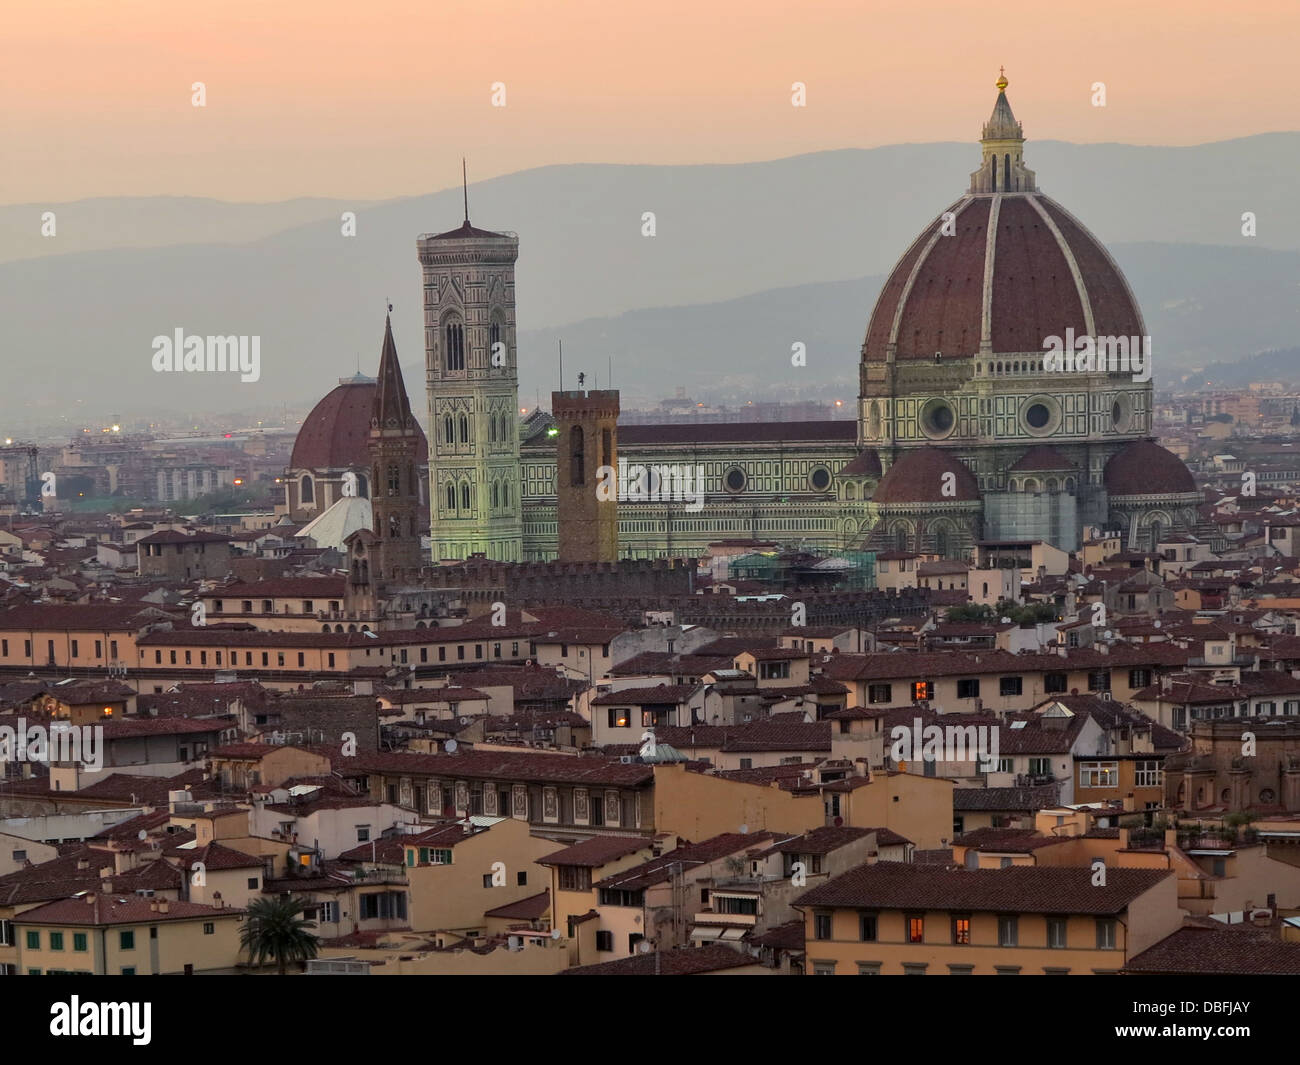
918	477
867	464
335	434
1041	457
1144	468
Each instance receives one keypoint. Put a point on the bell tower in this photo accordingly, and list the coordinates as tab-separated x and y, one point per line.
394	450
473	392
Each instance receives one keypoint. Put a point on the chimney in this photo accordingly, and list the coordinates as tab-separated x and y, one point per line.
153	906
106	886
162	906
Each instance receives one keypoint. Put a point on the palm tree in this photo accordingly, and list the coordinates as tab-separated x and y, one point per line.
275	928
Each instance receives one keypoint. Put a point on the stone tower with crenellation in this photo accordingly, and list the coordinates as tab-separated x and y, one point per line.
586	475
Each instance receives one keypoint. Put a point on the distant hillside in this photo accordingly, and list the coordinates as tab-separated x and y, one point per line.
732	278
1283	365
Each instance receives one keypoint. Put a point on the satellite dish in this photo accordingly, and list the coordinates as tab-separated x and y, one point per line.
744	830
142	834
1156	623
1107	634
464	720
555	933
644	946
451	746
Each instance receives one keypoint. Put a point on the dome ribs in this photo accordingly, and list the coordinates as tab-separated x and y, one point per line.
1114	310
1034	295
947	294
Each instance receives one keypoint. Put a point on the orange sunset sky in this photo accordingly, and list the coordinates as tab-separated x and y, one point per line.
381	99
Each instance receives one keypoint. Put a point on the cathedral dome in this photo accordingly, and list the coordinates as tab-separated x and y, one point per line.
1001	270
1144	468
919	477
334	435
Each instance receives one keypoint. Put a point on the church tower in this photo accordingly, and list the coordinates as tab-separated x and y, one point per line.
473	392
586	475
394	449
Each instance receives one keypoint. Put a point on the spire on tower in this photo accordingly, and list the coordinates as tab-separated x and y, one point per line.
464	184
392	408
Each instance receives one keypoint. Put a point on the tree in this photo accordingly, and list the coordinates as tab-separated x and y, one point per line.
970	612
275	928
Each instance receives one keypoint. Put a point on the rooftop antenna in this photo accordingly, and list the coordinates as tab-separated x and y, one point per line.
609	383
464	182
561	365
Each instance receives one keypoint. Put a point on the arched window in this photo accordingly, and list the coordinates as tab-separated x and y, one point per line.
464	495
394	526
505	493
850	491
464	429
448	430
941	542
577	468
494	338
455	342
496	495
307	492
900	539
451	496
993	168
492	428
394	480
1006	172
363	486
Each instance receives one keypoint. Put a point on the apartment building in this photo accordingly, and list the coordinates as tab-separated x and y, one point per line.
917	920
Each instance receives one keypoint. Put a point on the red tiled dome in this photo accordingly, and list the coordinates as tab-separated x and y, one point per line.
1144	468
918	477
934	298
1041	457
866	464
335	433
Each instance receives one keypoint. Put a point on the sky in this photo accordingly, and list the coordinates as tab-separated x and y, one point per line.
381	99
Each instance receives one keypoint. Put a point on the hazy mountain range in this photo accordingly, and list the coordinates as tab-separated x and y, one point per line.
747	259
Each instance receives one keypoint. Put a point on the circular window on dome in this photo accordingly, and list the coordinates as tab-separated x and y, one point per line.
937	418
1121	413
820	479
734	479
1041	415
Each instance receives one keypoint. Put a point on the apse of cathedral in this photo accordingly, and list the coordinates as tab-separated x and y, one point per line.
967	430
